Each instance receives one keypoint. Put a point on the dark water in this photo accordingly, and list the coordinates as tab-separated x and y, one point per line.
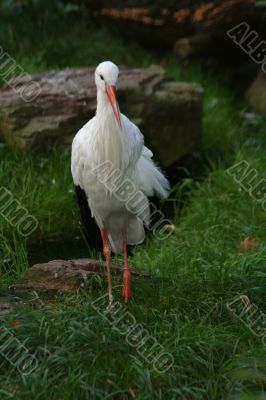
53	250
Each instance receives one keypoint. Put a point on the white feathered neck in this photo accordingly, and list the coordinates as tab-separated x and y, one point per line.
108	140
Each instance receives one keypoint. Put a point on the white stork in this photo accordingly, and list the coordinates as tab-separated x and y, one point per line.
111	137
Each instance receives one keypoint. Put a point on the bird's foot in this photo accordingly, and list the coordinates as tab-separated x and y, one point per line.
126	285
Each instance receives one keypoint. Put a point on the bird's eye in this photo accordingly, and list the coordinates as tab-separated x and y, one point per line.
102	78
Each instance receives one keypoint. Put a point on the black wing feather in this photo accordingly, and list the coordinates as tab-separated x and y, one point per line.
91	230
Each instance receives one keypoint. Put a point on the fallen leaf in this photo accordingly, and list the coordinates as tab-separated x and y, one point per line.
15	324
222	197
164	299
248	243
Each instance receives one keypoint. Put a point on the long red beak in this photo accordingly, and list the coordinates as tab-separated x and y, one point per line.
111	93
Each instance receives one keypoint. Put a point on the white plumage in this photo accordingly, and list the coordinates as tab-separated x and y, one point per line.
101	140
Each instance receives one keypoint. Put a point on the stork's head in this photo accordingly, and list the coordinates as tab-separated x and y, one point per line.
106	76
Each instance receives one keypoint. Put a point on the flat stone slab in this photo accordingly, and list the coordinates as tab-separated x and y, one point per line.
168	113
67	275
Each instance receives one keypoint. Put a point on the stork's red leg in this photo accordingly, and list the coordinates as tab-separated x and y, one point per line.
107	254
127	273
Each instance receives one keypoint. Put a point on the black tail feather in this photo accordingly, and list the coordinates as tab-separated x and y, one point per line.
90	228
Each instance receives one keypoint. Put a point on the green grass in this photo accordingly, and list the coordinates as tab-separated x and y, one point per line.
42	185
80	355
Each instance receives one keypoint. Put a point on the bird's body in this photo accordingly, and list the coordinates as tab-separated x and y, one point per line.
100	141
111	164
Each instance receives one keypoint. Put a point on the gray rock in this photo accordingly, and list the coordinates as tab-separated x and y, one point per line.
168	113
6	308
256	94
66	275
